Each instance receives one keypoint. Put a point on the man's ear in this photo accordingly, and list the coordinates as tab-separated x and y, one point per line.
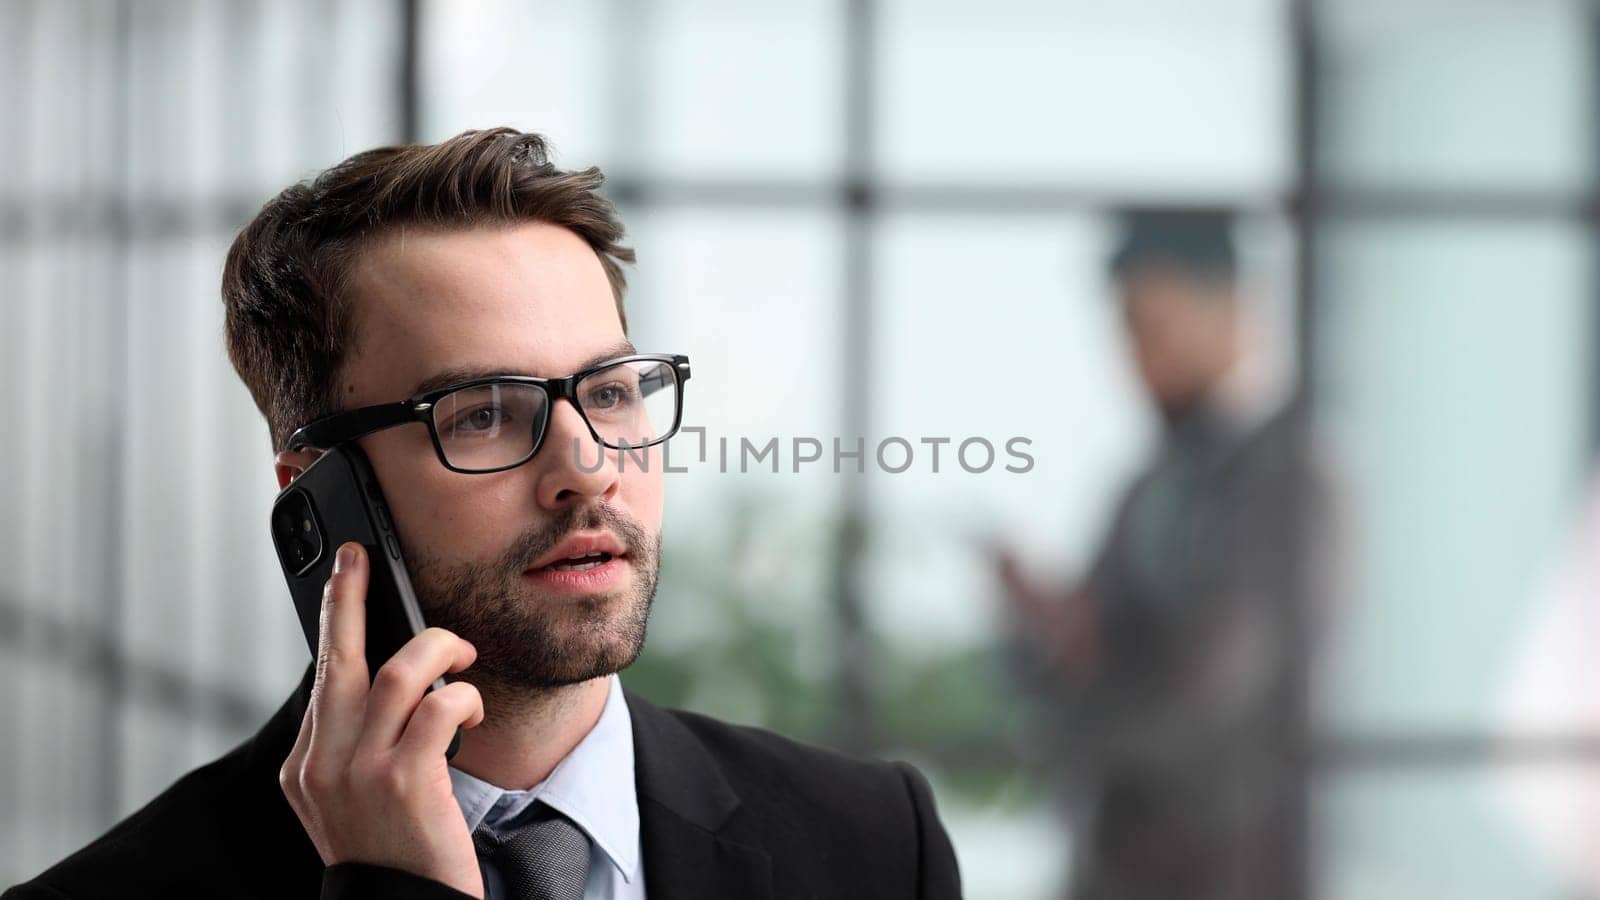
290	463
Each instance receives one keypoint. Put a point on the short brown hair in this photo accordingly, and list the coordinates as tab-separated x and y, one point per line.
286	279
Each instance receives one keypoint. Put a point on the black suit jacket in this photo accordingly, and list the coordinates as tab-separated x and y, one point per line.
724	812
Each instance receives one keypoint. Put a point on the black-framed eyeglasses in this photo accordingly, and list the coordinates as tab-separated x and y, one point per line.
498	423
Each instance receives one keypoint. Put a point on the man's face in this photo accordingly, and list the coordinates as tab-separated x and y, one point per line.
1182	331
528	299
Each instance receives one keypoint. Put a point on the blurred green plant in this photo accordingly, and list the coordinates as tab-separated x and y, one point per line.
955	711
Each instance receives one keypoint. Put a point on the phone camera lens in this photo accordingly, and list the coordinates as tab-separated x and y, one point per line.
295	531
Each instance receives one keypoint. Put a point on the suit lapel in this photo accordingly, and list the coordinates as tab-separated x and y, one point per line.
690	850
685	804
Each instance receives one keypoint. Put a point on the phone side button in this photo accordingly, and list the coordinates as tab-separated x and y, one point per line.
383	517
394	546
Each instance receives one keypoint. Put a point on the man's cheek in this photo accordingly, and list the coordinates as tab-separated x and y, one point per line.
644	496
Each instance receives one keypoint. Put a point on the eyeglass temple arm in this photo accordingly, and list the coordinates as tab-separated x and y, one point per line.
340	428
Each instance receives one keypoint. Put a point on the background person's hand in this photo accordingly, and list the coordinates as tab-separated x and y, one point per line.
368	775
1025	601
1062	622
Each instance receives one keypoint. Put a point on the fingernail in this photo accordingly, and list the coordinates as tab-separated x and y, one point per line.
345	559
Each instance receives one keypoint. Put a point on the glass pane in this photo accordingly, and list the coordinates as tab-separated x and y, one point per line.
1464	834
992	329
548	68
1145	95
731	88
1478	96
751	298
303	119
1455	381
58	62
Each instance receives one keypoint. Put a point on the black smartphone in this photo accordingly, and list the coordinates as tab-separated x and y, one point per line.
335	500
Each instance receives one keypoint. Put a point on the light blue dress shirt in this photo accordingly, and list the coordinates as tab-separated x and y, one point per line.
592	786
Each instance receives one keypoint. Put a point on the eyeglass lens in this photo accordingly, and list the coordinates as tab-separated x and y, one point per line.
494	425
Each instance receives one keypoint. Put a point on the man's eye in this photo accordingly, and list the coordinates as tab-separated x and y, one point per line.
608	396
484	418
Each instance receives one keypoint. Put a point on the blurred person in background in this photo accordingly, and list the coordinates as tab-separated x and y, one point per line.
1164	672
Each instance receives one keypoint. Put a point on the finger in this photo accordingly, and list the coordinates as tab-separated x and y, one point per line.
434	723
289	772
340	690
402	681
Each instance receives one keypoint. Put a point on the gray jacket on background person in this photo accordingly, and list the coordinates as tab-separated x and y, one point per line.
1174	749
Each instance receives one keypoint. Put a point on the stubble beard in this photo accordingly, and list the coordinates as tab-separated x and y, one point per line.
529	642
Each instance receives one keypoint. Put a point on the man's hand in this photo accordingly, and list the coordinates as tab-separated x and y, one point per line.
368	776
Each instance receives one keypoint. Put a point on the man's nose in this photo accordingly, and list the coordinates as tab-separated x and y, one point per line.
574	468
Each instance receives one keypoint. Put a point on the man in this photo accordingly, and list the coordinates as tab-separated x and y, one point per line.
417	270
1166	669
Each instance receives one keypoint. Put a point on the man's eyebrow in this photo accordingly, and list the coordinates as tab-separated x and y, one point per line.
458	374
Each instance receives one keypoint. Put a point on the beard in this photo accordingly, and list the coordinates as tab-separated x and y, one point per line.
531	642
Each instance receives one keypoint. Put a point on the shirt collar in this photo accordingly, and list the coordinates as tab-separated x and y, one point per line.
593	786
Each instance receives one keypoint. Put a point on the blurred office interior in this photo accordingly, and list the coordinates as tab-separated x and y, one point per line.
866	218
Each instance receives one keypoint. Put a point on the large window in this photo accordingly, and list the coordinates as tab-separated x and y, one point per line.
863	219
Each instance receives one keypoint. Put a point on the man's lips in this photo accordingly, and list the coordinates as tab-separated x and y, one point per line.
586	576
580	552
586	563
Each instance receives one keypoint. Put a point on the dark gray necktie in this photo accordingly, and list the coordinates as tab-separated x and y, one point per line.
546	859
